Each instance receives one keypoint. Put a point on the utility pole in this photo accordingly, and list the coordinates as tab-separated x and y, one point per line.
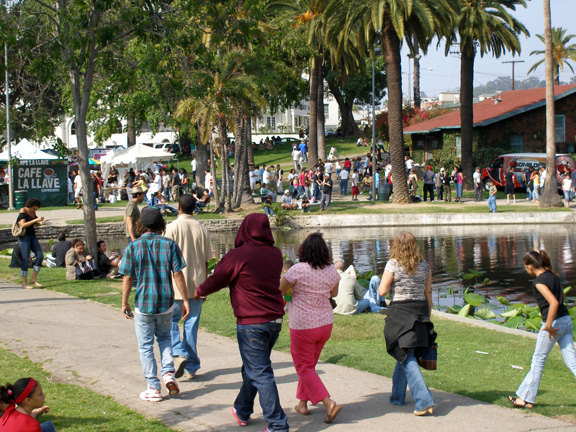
10	170
513	64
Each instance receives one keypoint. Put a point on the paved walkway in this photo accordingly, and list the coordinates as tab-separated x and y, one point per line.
93	345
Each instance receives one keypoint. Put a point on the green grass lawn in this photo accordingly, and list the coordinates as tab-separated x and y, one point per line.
358	342
169	217
71	206
74	408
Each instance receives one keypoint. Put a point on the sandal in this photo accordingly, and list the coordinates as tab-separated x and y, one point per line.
335	409
26	286
36	284
523	404
305	412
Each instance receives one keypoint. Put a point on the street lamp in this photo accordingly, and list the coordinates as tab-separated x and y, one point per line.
10	176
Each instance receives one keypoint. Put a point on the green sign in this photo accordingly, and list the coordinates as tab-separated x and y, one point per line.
46	180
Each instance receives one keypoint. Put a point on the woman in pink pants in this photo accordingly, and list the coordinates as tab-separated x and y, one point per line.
313	281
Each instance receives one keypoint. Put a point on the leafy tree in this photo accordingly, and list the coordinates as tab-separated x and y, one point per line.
504	83
483	26
562	51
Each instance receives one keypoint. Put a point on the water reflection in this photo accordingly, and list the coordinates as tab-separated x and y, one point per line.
450	251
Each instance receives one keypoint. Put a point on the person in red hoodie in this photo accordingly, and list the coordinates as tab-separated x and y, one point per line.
252	270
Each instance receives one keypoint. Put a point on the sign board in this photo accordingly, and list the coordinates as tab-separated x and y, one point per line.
46	180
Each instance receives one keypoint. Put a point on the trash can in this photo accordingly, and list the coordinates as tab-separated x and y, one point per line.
384	191
20	198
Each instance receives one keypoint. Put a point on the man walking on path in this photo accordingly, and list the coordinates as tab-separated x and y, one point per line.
304	150
194	241
154	259
428	178
252	270
477	177
132	214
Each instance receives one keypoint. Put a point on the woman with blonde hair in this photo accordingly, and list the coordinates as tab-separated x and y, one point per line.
408	331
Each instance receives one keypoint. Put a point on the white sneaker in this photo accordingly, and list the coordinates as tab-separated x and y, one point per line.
171	384
151	395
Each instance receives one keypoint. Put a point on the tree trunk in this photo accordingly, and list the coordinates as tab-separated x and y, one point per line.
417	100
320	117
467	114
226	195
313	128
249	149
349	126
391	45
213	172
202	155
130	132
550	196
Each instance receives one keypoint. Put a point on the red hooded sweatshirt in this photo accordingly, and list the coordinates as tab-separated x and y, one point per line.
252	270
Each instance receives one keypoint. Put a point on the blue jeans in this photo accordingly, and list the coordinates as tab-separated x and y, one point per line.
255	342
28	244
529	387
492	203
567	195
459	187
169	208
47	427
343	186
372	294
362	305
148	326
269	211
409	374
187	346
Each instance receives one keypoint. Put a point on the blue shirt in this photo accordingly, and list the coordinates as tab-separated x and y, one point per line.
302	147
152	258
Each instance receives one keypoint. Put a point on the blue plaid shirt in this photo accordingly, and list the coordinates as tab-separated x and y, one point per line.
152	259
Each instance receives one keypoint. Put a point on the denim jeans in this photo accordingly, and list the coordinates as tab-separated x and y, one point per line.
269	211
459	188
567	195
362	305
477	192
409	374
529	194
187	346
255	342
47	427
492	203
529	387
28	244
147	327
372	294
343	186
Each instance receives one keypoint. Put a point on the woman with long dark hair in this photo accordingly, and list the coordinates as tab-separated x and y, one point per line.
408	329
556	326
313	281
28	220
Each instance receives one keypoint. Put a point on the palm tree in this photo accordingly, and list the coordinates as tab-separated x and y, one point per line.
550	197
562	51
483	26
388	21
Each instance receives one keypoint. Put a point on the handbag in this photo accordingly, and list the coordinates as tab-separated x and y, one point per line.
427	359
17	230
84	267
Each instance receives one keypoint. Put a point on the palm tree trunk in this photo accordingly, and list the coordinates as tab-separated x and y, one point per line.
320	118
550	196
467	115
417	100
213	172
391	44
313	128
249	149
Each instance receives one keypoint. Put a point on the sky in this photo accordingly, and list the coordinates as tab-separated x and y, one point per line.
445	75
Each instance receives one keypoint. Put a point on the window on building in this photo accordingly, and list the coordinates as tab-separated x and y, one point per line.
271	121
458	146
326	110
560	128
73	128
516	143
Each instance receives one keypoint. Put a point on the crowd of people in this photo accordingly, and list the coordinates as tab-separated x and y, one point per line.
167	265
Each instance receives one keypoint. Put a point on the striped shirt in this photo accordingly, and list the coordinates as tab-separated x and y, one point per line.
152	259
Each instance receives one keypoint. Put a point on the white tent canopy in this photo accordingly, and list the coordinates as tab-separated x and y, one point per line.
24	150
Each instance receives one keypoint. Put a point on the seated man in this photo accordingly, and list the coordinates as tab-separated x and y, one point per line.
268	206
202	201
59	250
287	202
351	299
161	203
108	266
265	193
305	204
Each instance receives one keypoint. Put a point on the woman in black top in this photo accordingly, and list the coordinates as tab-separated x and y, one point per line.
28	220
556	326
509	188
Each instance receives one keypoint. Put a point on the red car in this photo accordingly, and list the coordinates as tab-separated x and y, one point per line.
496	172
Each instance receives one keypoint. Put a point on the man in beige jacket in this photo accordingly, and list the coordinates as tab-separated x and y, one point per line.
194	242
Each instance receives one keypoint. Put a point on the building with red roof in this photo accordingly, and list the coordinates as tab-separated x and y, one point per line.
513	121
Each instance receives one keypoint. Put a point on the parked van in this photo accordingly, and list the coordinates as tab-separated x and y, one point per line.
521	162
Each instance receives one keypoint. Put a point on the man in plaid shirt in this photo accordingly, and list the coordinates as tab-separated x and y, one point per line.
154	259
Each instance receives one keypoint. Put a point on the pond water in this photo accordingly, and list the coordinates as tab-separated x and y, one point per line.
496	251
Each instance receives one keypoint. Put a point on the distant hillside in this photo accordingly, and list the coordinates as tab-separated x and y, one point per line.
505	84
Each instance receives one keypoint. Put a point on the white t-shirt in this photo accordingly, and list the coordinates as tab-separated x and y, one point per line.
344	175
477	177
208	181
193	163
328	167
266	177
409	163
354	178
77	185
567	184
296	153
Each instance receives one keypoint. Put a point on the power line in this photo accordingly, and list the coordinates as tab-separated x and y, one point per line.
513	64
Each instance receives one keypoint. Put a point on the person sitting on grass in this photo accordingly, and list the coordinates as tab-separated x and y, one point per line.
202	202
20	404
287	201
305	205
74	258
108	267
268	206
265	193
